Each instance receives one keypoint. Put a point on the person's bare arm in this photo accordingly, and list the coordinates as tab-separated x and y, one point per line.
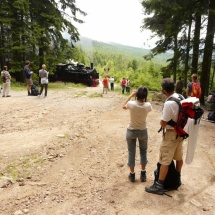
128	99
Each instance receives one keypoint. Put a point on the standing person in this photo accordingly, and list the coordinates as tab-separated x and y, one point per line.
171	145
137	129
6	79
127	86
123	82
43	74
194	87
28	76
105	84
179	86
111	83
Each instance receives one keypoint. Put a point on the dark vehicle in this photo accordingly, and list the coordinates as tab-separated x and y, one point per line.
77	73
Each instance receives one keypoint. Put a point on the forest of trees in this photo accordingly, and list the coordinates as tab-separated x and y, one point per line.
186	28
33	30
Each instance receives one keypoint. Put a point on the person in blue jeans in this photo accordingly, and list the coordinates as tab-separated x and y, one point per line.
137	130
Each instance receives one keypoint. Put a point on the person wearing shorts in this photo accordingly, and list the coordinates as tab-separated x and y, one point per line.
28	76
171	145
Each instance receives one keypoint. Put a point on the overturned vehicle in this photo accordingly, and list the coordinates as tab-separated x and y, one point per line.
77	73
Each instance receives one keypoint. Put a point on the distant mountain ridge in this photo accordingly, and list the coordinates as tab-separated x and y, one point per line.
90	45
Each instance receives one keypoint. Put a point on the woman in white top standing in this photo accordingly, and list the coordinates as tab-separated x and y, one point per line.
6	79
43	74
137	129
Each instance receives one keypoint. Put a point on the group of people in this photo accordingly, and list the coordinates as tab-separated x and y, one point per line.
171	147
106	80
43	74
125	84
193	88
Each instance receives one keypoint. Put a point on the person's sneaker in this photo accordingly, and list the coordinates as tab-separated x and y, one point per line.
143	176
155	188
131	177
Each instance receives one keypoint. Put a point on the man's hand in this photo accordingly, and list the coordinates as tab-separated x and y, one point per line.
163	123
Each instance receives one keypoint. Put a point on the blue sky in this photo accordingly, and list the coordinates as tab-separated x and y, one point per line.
116	21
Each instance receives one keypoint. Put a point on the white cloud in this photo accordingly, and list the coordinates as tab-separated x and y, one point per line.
116	21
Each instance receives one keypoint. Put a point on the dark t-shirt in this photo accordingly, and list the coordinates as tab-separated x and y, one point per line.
179	86
27	72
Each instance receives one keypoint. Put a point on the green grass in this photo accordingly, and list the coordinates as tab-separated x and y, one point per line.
95	95
62	85
80	94
19	86
23	168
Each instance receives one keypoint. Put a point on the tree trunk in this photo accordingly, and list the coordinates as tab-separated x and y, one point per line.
175	57
186	68
196	42
206	64
1	45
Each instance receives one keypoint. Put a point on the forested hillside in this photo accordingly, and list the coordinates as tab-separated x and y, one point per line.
124	61
90	45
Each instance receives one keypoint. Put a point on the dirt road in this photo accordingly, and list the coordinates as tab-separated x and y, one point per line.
68	155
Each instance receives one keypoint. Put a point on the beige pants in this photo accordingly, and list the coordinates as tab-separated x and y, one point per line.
6	89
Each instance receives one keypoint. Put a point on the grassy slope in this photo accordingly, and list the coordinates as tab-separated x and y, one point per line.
90	45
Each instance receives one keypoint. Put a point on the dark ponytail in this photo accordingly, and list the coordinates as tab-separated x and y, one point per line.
142	93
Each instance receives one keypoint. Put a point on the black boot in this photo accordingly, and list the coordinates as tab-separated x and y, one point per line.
156	188
131	177
29	93
143	176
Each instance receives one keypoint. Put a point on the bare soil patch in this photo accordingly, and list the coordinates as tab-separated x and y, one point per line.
69	155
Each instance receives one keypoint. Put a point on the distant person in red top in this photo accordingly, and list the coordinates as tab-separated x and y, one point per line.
105	84
123	83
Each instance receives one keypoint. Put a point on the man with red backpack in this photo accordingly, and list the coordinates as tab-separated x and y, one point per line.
171	147
194	87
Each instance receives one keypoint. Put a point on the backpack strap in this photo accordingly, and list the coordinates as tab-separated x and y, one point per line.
178	101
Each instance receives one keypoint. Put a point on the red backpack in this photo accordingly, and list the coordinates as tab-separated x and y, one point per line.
196	90
186	110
